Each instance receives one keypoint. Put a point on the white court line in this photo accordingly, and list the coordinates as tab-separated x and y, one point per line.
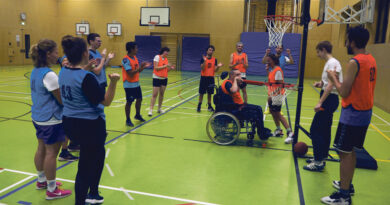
127	193
7	96
107	152
1	91
17	183
115	141
388	123
126	190
109	170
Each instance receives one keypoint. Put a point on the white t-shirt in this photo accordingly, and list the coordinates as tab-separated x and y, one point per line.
278	75
157	59
50	81
331	64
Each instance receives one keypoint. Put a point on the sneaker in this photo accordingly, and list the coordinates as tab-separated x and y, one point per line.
199	108
73	148
150	113
57	194
211	109
139	117
67	156
314	167
278	133
94	199
310	160
160	111
289	138
129	123
337	199
336	184
43	185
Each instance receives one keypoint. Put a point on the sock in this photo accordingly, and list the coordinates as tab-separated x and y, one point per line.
288	129
209	104
127	118
41	176
51	185
319	163
345	193
278	127
199	104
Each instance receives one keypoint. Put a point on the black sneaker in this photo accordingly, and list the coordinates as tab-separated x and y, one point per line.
73	147
139	117
67	156
336	184
96	199
199	107
210	109
129	123
337	198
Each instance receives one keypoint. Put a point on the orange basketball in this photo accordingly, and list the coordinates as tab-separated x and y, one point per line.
300	148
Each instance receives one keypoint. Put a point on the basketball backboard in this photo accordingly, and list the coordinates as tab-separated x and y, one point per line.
82	28
159	15
114	29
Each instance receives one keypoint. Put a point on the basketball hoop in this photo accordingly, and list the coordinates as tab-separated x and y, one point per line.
80	33
277	25
152	25
111	34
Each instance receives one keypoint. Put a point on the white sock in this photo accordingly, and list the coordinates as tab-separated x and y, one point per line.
41	176
51	185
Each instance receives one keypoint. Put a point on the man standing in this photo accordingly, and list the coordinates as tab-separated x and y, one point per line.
130	74
209	66
357	92
239	61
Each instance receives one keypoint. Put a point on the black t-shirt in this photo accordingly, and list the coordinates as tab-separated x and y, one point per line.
92	89
202	61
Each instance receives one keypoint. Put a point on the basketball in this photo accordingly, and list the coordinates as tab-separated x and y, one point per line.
300	148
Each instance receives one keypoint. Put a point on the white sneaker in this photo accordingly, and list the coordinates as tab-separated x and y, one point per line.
150	113
289	138
278	133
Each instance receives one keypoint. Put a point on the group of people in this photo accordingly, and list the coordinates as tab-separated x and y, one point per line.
71	105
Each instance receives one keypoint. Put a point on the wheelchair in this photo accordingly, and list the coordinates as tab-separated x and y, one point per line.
225	126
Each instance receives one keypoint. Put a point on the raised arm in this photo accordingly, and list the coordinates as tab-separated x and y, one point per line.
288	51
264	61
98	69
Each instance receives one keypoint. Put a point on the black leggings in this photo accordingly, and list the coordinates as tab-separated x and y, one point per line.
321	127
91	135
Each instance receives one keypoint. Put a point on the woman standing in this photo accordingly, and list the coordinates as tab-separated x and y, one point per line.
160	78
84	120
46	113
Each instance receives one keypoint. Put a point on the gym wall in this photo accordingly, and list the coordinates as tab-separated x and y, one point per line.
41	23
223	20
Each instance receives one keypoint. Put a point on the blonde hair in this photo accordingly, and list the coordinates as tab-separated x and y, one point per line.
39	52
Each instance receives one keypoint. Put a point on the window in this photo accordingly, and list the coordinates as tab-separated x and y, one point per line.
382	21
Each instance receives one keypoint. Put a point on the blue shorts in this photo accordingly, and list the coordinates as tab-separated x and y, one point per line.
50	134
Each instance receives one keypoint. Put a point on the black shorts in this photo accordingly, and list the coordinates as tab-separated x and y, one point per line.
206	85
160	82
133	93
349	137
274	108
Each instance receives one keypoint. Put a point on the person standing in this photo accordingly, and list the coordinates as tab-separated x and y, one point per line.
357	93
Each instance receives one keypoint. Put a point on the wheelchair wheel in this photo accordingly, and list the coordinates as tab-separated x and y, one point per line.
223	128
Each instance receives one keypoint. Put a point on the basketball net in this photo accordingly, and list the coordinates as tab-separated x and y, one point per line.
152	25
277	26
278	93
111	34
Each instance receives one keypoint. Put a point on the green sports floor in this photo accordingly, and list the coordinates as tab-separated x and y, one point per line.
169	159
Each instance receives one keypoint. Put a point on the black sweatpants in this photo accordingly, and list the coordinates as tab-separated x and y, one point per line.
91	135
321	127
255	113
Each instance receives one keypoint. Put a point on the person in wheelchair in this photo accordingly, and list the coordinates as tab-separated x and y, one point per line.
235	104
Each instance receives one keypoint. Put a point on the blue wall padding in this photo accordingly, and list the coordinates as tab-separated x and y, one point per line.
255	44
192	51
148	47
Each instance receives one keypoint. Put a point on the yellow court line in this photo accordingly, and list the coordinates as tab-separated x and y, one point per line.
380	132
